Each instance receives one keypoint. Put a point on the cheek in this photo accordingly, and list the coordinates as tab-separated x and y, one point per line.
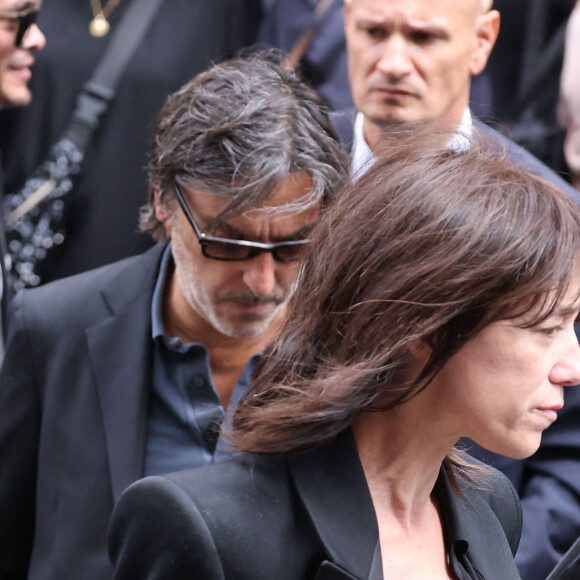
363	59
286	275
6	50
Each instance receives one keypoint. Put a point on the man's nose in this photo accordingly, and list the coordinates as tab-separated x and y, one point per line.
395	59
33	39
566	371
260	274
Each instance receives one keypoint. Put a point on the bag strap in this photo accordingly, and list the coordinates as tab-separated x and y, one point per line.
96	95
307	36
567	568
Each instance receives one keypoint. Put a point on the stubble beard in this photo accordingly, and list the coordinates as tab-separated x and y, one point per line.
248	325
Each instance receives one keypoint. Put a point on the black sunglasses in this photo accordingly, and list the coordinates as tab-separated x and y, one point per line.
238	250
25	21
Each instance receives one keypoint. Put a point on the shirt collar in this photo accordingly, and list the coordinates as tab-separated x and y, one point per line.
363	157
158	330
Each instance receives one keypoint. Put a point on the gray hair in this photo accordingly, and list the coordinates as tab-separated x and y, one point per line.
238	130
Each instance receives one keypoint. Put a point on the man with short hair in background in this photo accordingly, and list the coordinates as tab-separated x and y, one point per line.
413	60
130	369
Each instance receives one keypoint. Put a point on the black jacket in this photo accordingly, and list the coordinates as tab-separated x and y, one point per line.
74	392
290	516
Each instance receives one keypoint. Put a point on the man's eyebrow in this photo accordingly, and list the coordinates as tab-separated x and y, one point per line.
234	231
25	6
300	234
434	28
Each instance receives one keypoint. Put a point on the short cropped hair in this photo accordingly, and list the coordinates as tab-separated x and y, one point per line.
238	130
430	244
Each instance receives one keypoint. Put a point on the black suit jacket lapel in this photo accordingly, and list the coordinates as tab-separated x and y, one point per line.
327	479
120	356
472	519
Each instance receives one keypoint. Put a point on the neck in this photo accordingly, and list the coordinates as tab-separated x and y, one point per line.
374	133
228	356
401	452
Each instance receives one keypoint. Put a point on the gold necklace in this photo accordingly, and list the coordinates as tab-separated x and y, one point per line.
99	25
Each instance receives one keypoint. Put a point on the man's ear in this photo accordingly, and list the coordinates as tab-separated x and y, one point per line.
162	212
347	9
487	29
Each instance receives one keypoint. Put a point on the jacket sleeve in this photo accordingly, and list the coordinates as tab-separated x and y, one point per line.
19	435
158	533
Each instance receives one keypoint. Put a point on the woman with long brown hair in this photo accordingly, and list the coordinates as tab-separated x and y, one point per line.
437	301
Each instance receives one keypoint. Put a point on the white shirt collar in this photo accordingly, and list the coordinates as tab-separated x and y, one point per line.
363	157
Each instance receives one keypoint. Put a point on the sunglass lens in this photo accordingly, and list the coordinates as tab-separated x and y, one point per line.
289	253
225	251
26	21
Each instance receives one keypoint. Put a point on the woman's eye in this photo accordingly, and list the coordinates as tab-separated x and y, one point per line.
550	330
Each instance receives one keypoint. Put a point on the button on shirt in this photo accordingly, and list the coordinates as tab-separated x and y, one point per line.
184	408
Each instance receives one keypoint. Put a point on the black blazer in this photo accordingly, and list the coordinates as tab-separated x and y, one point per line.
73	409
284	516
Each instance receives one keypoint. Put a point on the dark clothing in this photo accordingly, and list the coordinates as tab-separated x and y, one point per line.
75	393
287	516
525	68
101	219
3	275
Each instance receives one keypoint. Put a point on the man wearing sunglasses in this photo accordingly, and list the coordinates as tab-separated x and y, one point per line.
129	370
19	38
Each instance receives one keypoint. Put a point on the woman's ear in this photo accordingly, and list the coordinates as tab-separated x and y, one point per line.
420	351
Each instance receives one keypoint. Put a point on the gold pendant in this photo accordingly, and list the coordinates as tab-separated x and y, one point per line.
99	26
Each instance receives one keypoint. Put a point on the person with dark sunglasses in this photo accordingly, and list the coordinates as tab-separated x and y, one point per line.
25	20
19	38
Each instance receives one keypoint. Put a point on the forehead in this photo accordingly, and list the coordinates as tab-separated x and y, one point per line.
440	12
282	201
20	5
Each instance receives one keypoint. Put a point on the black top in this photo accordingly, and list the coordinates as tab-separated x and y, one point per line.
294	517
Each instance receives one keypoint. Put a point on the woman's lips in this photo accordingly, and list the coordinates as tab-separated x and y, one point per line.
550	412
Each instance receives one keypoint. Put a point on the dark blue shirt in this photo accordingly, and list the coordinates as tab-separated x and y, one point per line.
184	408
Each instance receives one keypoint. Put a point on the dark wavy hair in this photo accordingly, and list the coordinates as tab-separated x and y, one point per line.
429	244
238	130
